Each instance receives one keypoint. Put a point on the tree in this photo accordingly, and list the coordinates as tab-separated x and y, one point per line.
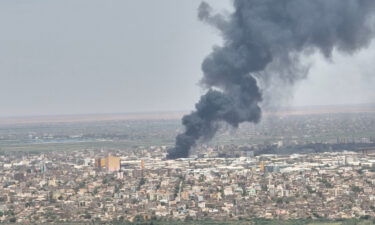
356	189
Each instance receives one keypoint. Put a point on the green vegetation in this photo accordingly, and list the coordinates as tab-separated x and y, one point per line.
357	189
116	134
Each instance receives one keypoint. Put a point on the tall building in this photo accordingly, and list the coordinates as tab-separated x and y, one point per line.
142	164
43	168
262	166
110	163
113	163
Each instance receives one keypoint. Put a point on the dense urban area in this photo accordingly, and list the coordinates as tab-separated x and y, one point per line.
292	169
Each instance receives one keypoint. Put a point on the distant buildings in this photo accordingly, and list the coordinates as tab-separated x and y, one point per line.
327	185
110	163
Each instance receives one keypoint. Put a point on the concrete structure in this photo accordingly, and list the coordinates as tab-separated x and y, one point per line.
111	163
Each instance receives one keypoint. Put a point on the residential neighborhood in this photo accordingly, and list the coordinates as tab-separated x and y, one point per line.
69	186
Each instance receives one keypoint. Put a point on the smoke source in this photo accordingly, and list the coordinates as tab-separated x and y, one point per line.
265	39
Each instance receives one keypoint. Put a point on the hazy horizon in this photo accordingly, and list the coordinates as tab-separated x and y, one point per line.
291	108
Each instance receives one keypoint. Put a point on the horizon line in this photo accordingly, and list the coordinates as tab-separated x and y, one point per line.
163	112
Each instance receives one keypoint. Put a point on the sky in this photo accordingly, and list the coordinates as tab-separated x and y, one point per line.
116	56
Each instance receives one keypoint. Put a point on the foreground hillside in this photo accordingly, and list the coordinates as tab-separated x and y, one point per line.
258	222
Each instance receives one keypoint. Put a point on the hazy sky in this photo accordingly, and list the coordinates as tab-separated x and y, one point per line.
113	56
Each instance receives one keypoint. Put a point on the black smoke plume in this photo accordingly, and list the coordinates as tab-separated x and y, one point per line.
263	39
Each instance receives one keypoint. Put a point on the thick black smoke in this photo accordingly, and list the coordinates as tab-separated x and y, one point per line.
265	39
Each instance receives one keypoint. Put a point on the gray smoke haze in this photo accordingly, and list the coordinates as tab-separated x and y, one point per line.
265	40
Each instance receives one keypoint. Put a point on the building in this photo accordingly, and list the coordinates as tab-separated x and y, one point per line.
262	166
110	163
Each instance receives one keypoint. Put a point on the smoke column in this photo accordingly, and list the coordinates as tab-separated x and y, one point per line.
265	39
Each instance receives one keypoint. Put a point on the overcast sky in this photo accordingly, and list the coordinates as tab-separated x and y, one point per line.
113	56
